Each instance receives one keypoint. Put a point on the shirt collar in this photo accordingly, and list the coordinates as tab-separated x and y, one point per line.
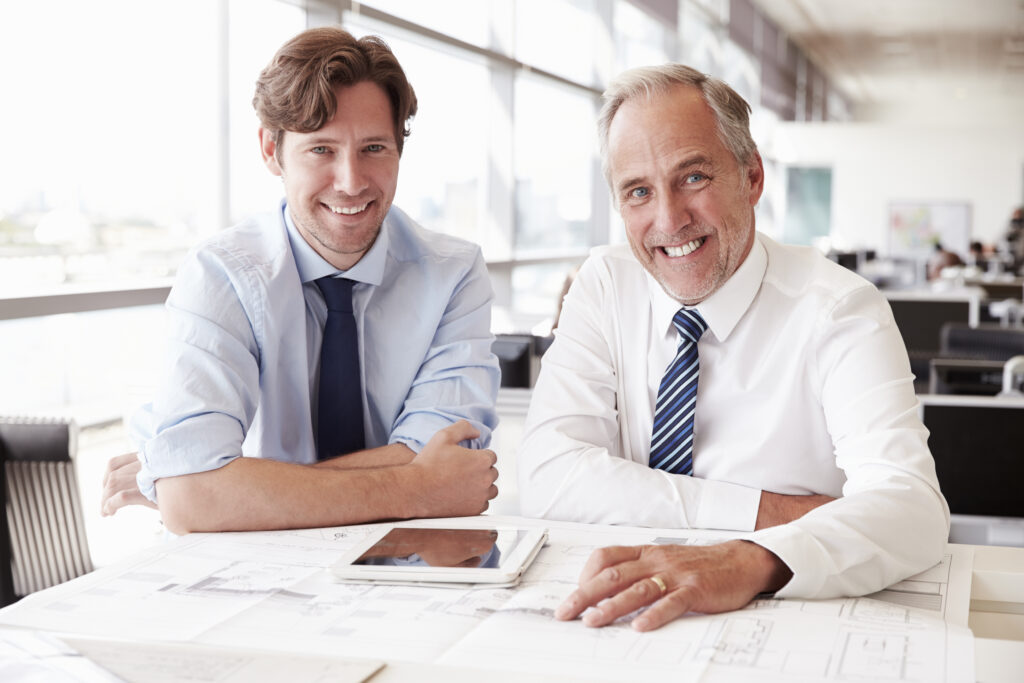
312	266
724	308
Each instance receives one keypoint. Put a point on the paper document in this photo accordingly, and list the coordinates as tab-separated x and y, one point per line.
272	593
34	656
177	663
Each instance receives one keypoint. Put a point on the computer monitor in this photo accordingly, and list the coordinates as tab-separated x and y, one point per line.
965	377
977	445
920	318
847	259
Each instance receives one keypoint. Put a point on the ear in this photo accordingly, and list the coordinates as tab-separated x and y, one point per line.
269	149
755	176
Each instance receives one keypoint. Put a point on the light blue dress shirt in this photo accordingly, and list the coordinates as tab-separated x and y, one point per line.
245	323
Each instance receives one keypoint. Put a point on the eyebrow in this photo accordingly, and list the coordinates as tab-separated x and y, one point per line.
687	163
325	140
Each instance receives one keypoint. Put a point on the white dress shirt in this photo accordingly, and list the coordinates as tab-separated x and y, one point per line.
804	388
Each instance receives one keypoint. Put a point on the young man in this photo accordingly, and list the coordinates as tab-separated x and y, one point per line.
250	429
710	377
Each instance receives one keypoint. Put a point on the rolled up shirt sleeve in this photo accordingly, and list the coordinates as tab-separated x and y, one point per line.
210	392
458	377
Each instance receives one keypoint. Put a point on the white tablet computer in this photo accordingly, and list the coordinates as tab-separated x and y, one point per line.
412	552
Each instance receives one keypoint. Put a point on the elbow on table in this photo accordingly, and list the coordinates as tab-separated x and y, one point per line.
938	532
184	504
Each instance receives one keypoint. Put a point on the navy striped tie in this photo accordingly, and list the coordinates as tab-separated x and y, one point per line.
672	434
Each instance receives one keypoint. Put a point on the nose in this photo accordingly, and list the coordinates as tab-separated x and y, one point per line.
672	213
350	177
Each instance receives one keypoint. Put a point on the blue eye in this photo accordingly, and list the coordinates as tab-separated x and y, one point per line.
319	150
639	192
695	177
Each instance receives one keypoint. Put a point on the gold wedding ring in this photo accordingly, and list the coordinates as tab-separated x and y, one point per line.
659	583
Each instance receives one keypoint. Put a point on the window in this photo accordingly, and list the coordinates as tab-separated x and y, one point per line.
442	182
256	28
108	174
115	165
117	168
560	36
555	162
466	20
134	137
640	39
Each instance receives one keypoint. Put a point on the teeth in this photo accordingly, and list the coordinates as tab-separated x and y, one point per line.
348	211
685	249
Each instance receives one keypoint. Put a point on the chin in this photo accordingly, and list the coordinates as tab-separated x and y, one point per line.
689	295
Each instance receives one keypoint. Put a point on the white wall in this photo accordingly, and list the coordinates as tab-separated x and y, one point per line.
874	163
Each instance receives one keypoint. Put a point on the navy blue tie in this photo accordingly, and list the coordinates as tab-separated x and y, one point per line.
672	434
340	416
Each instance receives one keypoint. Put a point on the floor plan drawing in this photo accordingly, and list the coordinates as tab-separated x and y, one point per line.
274	592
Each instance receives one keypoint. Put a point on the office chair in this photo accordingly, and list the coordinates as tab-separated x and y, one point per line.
42	533
983	342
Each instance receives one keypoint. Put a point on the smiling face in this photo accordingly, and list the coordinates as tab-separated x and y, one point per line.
340	180
687	203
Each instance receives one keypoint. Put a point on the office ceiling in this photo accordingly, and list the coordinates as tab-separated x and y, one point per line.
891	51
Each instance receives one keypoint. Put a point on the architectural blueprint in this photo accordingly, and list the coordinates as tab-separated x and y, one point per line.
272	592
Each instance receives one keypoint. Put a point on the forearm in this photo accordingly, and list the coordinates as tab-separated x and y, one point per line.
862	542
385	456
778	508
459	375
258	494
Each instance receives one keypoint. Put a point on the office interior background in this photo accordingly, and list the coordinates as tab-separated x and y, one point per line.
884	126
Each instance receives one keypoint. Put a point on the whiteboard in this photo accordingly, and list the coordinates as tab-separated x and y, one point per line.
915	227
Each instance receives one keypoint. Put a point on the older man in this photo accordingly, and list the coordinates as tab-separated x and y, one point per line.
710	377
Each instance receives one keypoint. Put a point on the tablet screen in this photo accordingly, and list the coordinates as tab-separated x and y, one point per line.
470	548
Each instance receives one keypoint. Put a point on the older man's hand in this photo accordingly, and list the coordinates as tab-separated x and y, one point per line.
671	580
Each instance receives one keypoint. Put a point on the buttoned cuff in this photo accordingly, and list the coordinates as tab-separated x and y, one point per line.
800	552
727	506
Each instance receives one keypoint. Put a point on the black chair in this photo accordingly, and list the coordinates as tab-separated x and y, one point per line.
982	342
42	534
965	377
920	320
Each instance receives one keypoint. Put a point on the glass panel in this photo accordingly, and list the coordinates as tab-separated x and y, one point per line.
701	41
256	29
537	289
741	72
111	172
545	40
443	178
640	39
555	151
99	365
466	20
